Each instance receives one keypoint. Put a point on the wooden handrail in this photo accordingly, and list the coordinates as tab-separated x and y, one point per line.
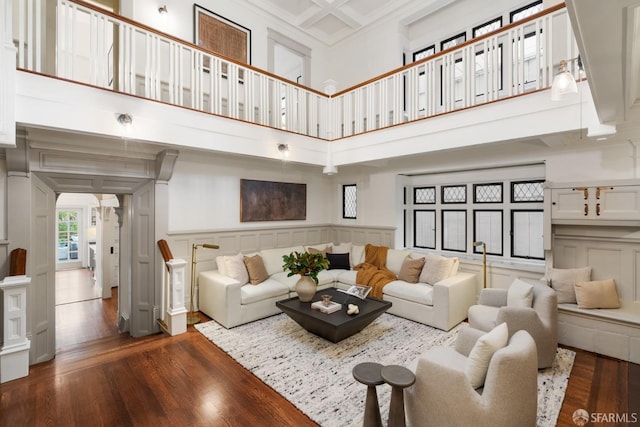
193	46
446	51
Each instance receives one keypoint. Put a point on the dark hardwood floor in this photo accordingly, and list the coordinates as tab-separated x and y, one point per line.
116	380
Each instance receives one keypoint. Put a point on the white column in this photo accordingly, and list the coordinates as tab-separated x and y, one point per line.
176	311
14	350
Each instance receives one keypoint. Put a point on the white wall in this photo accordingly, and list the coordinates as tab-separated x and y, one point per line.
179	22
204	191
379	187
446	22
368	54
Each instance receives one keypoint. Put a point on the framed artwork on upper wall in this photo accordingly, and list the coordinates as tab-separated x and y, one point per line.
221	35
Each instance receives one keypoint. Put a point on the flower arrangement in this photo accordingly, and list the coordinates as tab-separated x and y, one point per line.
305	264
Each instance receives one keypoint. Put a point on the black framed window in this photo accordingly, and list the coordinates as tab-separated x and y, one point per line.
488	228
424	229
487	193
424	195
454	194
526	11
483	63
456	40
349	201
424	53
404	228
454	230
527	233
487	27
527	191
525	49
458	71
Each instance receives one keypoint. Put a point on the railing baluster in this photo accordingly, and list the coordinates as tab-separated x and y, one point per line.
231	89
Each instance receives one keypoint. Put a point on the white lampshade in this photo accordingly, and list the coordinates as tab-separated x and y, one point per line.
563	84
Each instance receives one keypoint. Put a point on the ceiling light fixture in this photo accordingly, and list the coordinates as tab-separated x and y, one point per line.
125	119
284	149
564	83
329	168
162	10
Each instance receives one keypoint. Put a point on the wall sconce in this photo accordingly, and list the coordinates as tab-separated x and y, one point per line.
484	261
564	83
284	150
192	317
126	121
162	10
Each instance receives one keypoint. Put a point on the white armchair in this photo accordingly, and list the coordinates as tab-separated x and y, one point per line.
443	396
540	320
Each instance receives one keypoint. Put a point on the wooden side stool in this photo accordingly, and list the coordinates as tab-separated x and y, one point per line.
369	373
399	378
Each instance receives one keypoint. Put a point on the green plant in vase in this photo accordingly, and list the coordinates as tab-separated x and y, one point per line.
307	265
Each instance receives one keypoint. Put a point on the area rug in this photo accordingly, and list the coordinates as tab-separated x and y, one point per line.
315	374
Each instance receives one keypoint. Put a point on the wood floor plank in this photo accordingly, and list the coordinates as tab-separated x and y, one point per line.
185	380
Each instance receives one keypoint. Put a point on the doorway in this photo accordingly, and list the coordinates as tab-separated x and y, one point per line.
87	268
288	58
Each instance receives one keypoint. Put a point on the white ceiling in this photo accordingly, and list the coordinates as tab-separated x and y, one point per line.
330	21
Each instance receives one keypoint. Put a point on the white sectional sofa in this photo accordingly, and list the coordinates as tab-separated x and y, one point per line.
227	297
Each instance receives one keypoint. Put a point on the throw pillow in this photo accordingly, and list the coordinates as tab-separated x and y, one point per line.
563	280
520	294
338	261
220	263
342	248
411	269
256	269
317	251
436	268
481	353
236	269
597	294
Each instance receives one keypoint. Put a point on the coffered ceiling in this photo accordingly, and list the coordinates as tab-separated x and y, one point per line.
333	20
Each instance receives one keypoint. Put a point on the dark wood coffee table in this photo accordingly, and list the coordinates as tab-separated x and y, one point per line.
334	326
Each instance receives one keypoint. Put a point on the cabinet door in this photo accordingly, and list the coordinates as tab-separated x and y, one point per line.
570	203
621	202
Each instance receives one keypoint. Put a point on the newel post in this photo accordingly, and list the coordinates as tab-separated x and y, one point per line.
14	345
176	311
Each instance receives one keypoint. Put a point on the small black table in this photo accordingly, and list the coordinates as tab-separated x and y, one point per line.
334	326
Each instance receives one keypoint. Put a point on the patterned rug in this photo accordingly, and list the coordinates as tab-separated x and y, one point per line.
315	374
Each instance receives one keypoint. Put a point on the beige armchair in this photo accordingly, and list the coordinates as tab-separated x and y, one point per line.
443	396
541	320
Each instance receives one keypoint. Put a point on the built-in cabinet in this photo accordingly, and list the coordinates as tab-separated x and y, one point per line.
597	224
604	202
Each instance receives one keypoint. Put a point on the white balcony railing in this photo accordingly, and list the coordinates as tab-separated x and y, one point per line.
108	51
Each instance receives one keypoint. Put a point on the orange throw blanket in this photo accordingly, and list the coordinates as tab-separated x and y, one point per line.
373	271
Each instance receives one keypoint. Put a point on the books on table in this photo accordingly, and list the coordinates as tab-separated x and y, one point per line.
360	291
332	307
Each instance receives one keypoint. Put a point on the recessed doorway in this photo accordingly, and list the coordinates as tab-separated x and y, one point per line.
86	278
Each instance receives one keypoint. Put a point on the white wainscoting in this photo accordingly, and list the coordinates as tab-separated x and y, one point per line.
250	240
612	253
500	274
